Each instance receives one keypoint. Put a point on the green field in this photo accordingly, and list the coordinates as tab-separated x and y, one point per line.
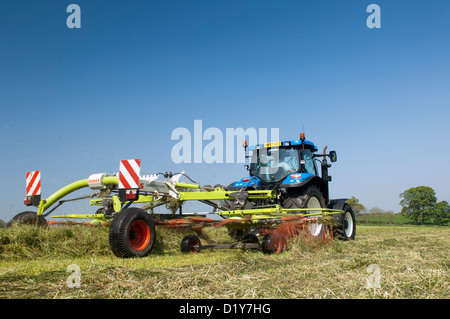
383	262
384	219
387	219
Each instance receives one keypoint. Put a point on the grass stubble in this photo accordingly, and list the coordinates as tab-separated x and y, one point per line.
394	262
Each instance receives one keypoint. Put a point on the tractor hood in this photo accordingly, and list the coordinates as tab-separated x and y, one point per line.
250	181
296	178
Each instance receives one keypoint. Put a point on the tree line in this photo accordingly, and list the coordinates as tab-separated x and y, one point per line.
419	204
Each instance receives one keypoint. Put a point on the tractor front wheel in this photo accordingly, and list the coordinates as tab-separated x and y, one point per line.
132	233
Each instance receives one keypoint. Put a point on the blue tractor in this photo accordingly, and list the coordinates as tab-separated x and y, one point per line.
300	178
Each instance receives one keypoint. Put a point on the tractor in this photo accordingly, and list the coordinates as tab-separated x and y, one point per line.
295	172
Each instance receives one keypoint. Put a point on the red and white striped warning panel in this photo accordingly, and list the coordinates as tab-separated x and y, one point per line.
34	183
129	173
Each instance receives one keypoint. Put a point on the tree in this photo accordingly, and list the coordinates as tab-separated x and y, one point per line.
356	205
418	203
441	213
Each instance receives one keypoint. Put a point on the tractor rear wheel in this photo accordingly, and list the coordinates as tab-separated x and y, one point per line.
132	233
28	218
310	197
344	227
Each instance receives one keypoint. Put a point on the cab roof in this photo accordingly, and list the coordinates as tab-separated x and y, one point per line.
308	144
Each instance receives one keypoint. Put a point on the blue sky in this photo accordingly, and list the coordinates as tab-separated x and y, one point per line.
74	102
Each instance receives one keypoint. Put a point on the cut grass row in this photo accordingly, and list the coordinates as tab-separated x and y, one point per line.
412	262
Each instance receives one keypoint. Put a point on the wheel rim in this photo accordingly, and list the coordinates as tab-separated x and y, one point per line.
348	223
139	235
194	245
314	228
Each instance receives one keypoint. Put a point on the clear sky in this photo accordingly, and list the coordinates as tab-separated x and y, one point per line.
74	102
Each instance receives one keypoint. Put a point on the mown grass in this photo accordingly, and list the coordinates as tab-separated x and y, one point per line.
412	261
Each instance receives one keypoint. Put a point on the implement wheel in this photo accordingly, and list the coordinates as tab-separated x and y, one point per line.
28	218
191	243
274	243
132	233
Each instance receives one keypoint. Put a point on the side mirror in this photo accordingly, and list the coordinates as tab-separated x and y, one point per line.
333	156
247	167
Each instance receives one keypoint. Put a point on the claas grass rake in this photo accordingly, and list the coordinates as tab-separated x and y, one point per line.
268	205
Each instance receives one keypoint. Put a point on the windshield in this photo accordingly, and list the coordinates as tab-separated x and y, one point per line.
274	164
309	163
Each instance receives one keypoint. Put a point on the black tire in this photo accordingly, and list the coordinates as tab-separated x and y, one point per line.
28	218
309	197
191	244
274	243
132	233
250	239
344	227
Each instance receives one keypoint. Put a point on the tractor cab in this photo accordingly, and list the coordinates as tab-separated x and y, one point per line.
273	162
285	164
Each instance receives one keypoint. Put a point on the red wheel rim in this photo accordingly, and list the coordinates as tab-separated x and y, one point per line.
139	235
